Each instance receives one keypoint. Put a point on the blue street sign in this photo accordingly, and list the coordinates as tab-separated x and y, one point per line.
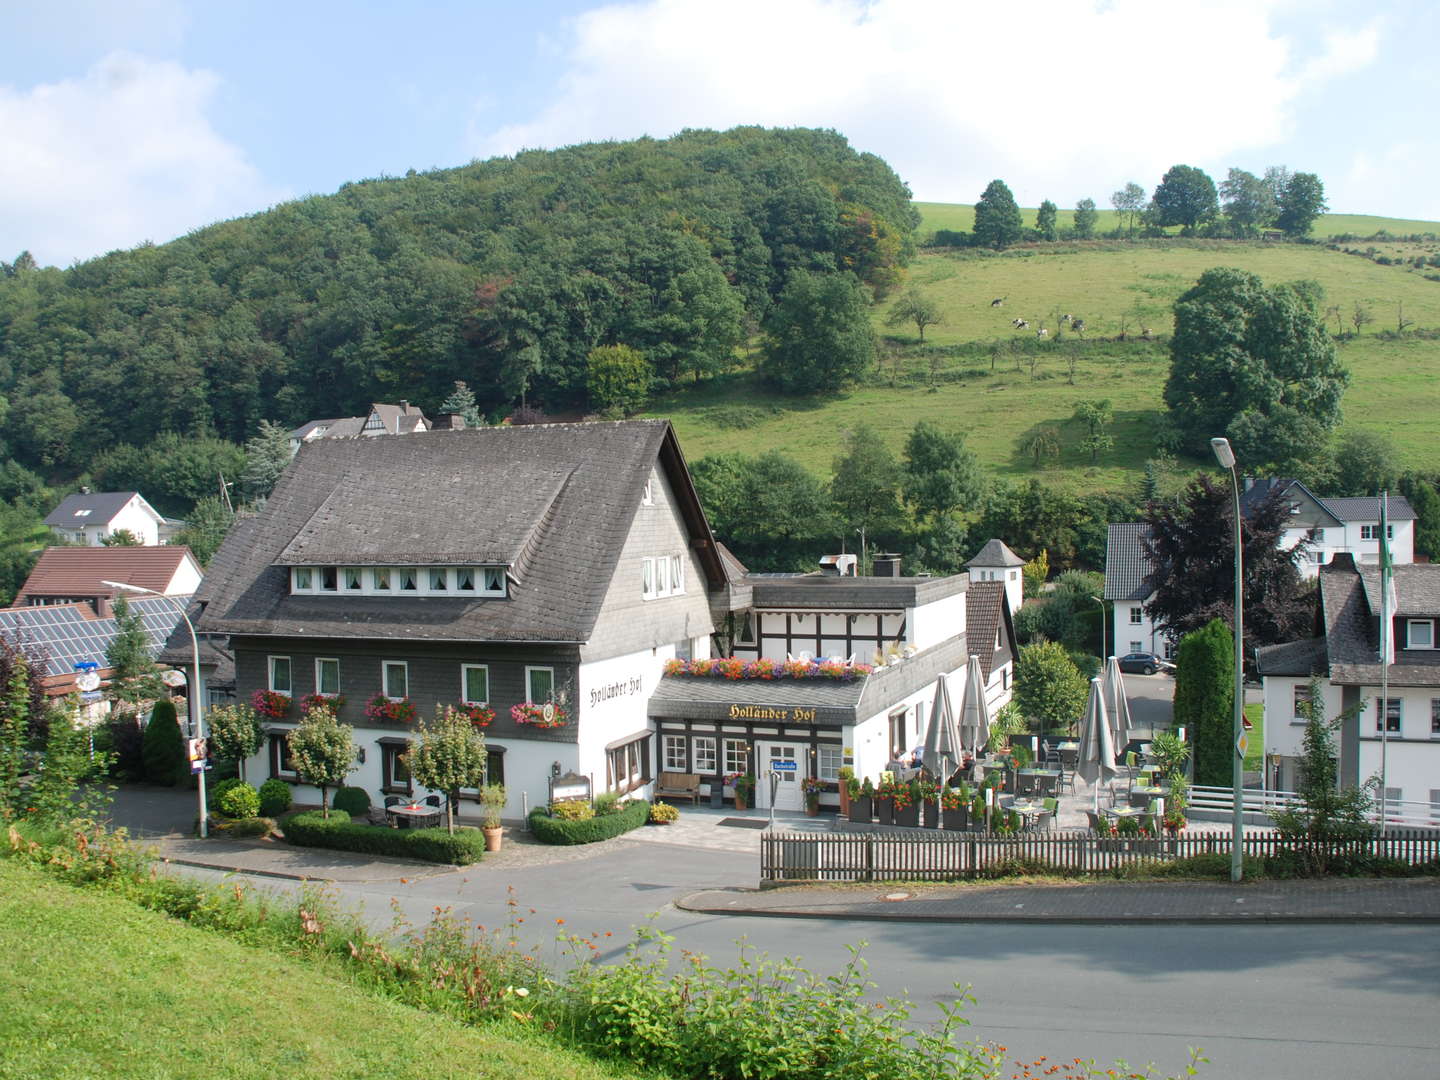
783	766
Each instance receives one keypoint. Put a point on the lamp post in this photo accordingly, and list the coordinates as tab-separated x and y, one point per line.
1101	601
1226	457
197	706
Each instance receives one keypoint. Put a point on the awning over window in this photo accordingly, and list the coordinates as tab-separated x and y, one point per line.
627	740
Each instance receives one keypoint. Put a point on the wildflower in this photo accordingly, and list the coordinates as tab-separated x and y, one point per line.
559	922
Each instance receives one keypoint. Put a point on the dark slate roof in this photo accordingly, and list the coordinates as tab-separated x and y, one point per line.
1307	657
461	495
1352	625
103	505
996	553
1292	491
827	592
986	611
71	633
1127	567
310	425
1417	588
1368	508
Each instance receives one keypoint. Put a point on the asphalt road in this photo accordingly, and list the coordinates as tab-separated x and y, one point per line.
1270	1001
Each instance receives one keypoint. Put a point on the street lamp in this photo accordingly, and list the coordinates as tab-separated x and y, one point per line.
1101	601
197	707
1226	457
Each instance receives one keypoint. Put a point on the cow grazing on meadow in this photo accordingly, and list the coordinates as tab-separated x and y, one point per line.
1019	324
1042	333
997	302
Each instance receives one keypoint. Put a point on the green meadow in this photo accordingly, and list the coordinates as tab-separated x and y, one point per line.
977	374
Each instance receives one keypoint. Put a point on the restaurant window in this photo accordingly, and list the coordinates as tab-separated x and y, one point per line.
280	674
1391	712
474	684
327	676
1301	700
828	760
539	684
746	632
282	763
703	747
495	767
897	734
395	679
394	776
676	759
737	756
628	766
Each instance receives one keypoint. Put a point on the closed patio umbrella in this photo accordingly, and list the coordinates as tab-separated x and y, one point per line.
1096	762
1117	705
941	754
974	711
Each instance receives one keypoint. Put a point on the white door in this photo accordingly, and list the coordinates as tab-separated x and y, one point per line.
788	795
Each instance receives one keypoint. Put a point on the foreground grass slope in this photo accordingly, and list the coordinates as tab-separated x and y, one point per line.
95	986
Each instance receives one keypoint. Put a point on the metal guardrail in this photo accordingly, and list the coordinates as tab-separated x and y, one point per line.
1403	813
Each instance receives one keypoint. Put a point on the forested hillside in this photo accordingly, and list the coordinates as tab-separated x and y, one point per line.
504	273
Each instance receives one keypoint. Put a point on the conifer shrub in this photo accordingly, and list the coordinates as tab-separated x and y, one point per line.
1204	699
163	747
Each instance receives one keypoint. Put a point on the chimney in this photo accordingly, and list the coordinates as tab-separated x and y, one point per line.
102	607
839	565
886	565
1248	482
404	405
448	421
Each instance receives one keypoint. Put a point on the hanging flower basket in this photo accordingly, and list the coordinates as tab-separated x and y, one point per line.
334	702
381	708
481	716
271	704
548	715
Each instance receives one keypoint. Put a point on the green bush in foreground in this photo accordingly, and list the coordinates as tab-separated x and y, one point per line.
351	800
549	830
274	798
244	828
312	829
239	800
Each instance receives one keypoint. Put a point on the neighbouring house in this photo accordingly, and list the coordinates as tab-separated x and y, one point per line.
1345	657
382	419
996	562
550	580
89	517
1330	526
66	575
74	637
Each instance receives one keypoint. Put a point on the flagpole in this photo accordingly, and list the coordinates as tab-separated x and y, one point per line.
1387	648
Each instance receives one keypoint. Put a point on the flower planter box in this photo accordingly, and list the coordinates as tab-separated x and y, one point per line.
885	811
956	820
909	816
931	814
862	809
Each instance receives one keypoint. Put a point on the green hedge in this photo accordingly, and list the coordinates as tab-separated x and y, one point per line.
550	830
309	829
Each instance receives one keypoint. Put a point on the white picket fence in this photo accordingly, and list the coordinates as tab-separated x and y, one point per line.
1404	814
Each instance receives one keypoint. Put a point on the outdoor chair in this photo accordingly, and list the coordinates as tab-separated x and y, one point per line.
1052	812
1069	759
1065	780
1025	785
1096	824
1046	786
432	800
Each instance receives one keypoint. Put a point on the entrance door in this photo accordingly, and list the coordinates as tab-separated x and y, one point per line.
788	795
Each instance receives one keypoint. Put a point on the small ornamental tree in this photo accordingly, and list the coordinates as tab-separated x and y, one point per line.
1205	699
133	677
235	733
1049	688
448	754
323	751
14	720
58	795
163	747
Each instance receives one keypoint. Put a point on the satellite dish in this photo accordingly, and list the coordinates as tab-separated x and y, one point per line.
87	681
173	678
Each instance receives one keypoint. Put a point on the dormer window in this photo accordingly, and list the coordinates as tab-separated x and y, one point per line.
354	579
409	579
464	579
380	579
391	580
302	579
1419	633
439	579
647	498
86	513
495	580
328	579
373	423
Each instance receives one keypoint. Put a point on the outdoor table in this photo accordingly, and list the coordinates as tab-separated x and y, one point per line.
1030	810
1067	746
1126	811
1039	772
1141	795
413	814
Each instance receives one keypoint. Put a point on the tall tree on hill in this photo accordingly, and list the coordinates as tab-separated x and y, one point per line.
864	486
462	403
1085	218
1045	220
1301	203
1185	197
915	307
818	334
941	474
1254	364
267	452
1128	202
997	218
1248	203
1192	551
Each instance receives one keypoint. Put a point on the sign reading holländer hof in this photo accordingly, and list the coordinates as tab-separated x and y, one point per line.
767	712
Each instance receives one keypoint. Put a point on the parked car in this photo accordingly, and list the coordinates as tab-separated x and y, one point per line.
1144	663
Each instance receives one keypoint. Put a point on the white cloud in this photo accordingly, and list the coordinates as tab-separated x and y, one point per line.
125	154
1061	98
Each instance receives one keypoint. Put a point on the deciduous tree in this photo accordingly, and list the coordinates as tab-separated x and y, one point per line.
915	307
617	378
1049	688
447	755
864	485
818	335
1045	220
1249	204
1302	202
1185	197
941	475
323	751
1085	217
997	218
235	733
1128	202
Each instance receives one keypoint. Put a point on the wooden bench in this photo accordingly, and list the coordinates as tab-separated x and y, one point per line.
678	785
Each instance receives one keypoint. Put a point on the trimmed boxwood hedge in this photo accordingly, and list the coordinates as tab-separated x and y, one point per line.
309	829
550	830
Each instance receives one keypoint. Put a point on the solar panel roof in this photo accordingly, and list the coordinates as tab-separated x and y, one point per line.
69	637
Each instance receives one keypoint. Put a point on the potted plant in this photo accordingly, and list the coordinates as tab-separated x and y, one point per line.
977	812
955	809
885	801
862	800
492	805
547	714
907	804
480	716
744	785
847	774
663	814
930	804
811	787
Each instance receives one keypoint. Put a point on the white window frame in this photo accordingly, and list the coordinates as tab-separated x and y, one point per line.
828	760
1372	532
647	579
702	749
1435	717
385	666
465	670
737	756
675	753
1137	646
1300	693
319	681
353	573
530	673
677	575
289	687
1382	714
662	576
385	580
302	579
1411	624
1137	616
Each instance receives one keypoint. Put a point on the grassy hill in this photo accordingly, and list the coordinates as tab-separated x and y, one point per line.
96	986
1112	285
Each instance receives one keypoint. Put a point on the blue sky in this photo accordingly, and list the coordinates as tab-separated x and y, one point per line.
130	120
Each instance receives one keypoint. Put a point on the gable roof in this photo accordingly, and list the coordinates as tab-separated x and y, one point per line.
554	500
71	633
987	613
1350	611
1367	508
1263	489
1127	567
95	508
996	553
79	571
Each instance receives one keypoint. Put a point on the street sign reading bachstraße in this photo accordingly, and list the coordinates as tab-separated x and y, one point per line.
783	766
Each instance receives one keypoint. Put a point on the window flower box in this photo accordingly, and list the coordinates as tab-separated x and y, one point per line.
384	710
334	702
480	716
271	704
536	715
731	667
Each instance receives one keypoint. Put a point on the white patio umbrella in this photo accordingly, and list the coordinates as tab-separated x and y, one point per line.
1096	762
1117	705
974	711
941	754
